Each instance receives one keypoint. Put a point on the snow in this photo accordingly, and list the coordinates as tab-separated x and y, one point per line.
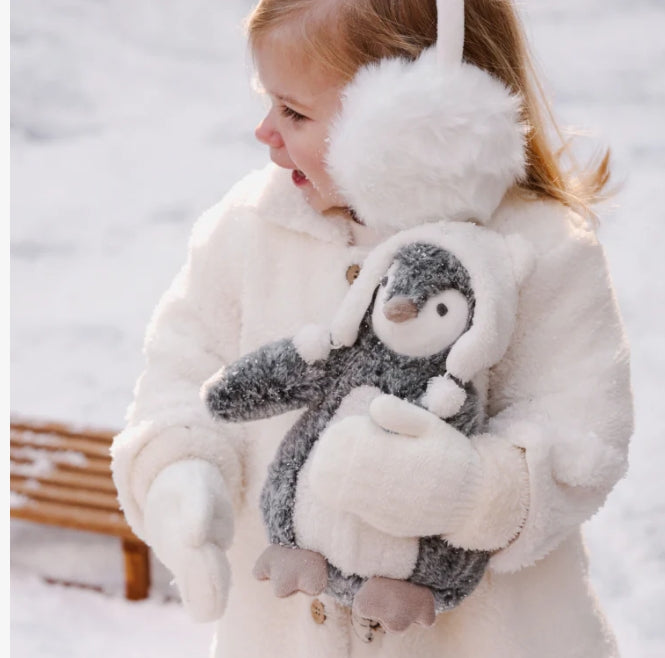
128	119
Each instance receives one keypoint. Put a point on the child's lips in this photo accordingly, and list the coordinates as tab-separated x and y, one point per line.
298	177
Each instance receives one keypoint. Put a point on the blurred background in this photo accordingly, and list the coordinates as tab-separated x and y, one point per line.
131	117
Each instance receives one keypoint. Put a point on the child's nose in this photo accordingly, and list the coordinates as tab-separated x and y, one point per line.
266	134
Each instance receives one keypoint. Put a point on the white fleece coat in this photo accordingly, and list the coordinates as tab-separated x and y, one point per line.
261	265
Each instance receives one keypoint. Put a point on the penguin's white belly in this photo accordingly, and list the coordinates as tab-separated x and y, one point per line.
343	538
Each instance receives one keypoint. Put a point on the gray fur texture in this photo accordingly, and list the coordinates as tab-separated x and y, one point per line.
425	270
275	379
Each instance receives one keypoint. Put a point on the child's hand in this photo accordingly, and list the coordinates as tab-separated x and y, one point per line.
189	524
408	473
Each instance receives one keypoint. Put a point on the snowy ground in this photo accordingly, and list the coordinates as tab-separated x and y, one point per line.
130	117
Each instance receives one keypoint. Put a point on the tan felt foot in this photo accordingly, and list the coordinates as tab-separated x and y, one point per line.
395	604
292	570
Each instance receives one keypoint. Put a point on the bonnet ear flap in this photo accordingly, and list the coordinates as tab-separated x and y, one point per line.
346	323
497	266
483	345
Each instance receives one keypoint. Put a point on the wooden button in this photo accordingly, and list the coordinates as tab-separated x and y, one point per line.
318	611
365	629
352	273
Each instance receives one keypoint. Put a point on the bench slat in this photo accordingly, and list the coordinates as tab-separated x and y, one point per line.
47	461
87	447
18	425
70	478
109	523
78	496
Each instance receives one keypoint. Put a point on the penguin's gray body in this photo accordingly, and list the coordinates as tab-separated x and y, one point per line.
276	378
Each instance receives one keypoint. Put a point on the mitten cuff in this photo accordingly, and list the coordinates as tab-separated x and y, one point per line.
142	451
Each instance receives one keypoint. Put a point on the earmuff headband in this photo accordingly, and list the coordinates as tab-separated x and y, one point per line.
450	32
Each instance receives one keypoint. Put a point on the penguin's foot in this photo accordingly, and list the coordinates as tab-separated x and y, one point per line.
395	604
292	570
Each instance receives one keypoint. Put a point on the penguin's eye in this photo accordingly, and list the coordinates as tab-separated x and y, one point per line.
441	309
384	281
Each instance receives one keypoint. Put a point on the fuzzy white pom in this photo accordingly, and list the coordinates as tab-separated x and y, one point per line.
444	397
312	343
417	143
587	461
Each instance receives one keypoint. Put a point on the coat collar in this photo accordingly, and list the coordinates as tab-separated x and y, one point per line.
272	194
279	202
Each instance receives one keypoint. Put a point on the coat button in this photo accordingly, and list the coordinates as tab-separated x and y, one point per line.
352	273
318	611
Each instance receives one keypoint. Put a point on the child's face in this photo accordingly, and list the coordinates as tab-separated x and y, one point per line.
304	100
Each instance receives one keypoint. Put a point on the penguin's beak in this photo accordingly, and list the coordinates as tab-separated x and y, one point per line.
400	309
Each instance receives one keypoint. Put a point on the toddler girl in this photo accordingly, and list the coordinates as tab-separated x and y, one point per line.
280	251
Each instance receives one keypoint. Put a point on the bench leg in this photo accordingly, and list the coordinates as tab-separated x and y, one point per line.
137	569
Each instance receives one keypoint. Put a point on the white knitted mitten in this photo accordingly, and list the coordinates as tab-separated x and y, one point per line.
408	473
188	520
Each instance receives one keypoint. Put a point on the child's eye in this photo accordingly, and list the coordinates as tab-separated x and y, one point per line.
290	113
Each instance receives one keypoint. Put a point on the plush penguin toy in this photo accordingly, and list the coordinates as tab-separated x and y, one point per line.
432	308
416	143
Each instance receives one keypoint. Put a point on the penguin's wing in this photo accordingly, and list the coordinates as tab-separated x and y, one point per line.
267	382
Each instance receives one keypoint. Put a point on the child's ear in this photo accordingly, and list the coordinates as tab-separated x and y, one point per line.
360	296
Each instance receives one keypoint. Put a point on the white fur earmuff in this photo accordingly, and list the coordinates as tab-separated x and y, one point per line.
427	140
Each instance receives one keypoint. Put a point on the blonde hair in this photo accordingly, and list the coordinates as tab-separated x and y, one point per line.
344	35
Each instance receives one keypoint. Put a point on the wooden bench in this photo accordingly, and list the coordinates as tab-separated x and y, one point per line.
62	476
